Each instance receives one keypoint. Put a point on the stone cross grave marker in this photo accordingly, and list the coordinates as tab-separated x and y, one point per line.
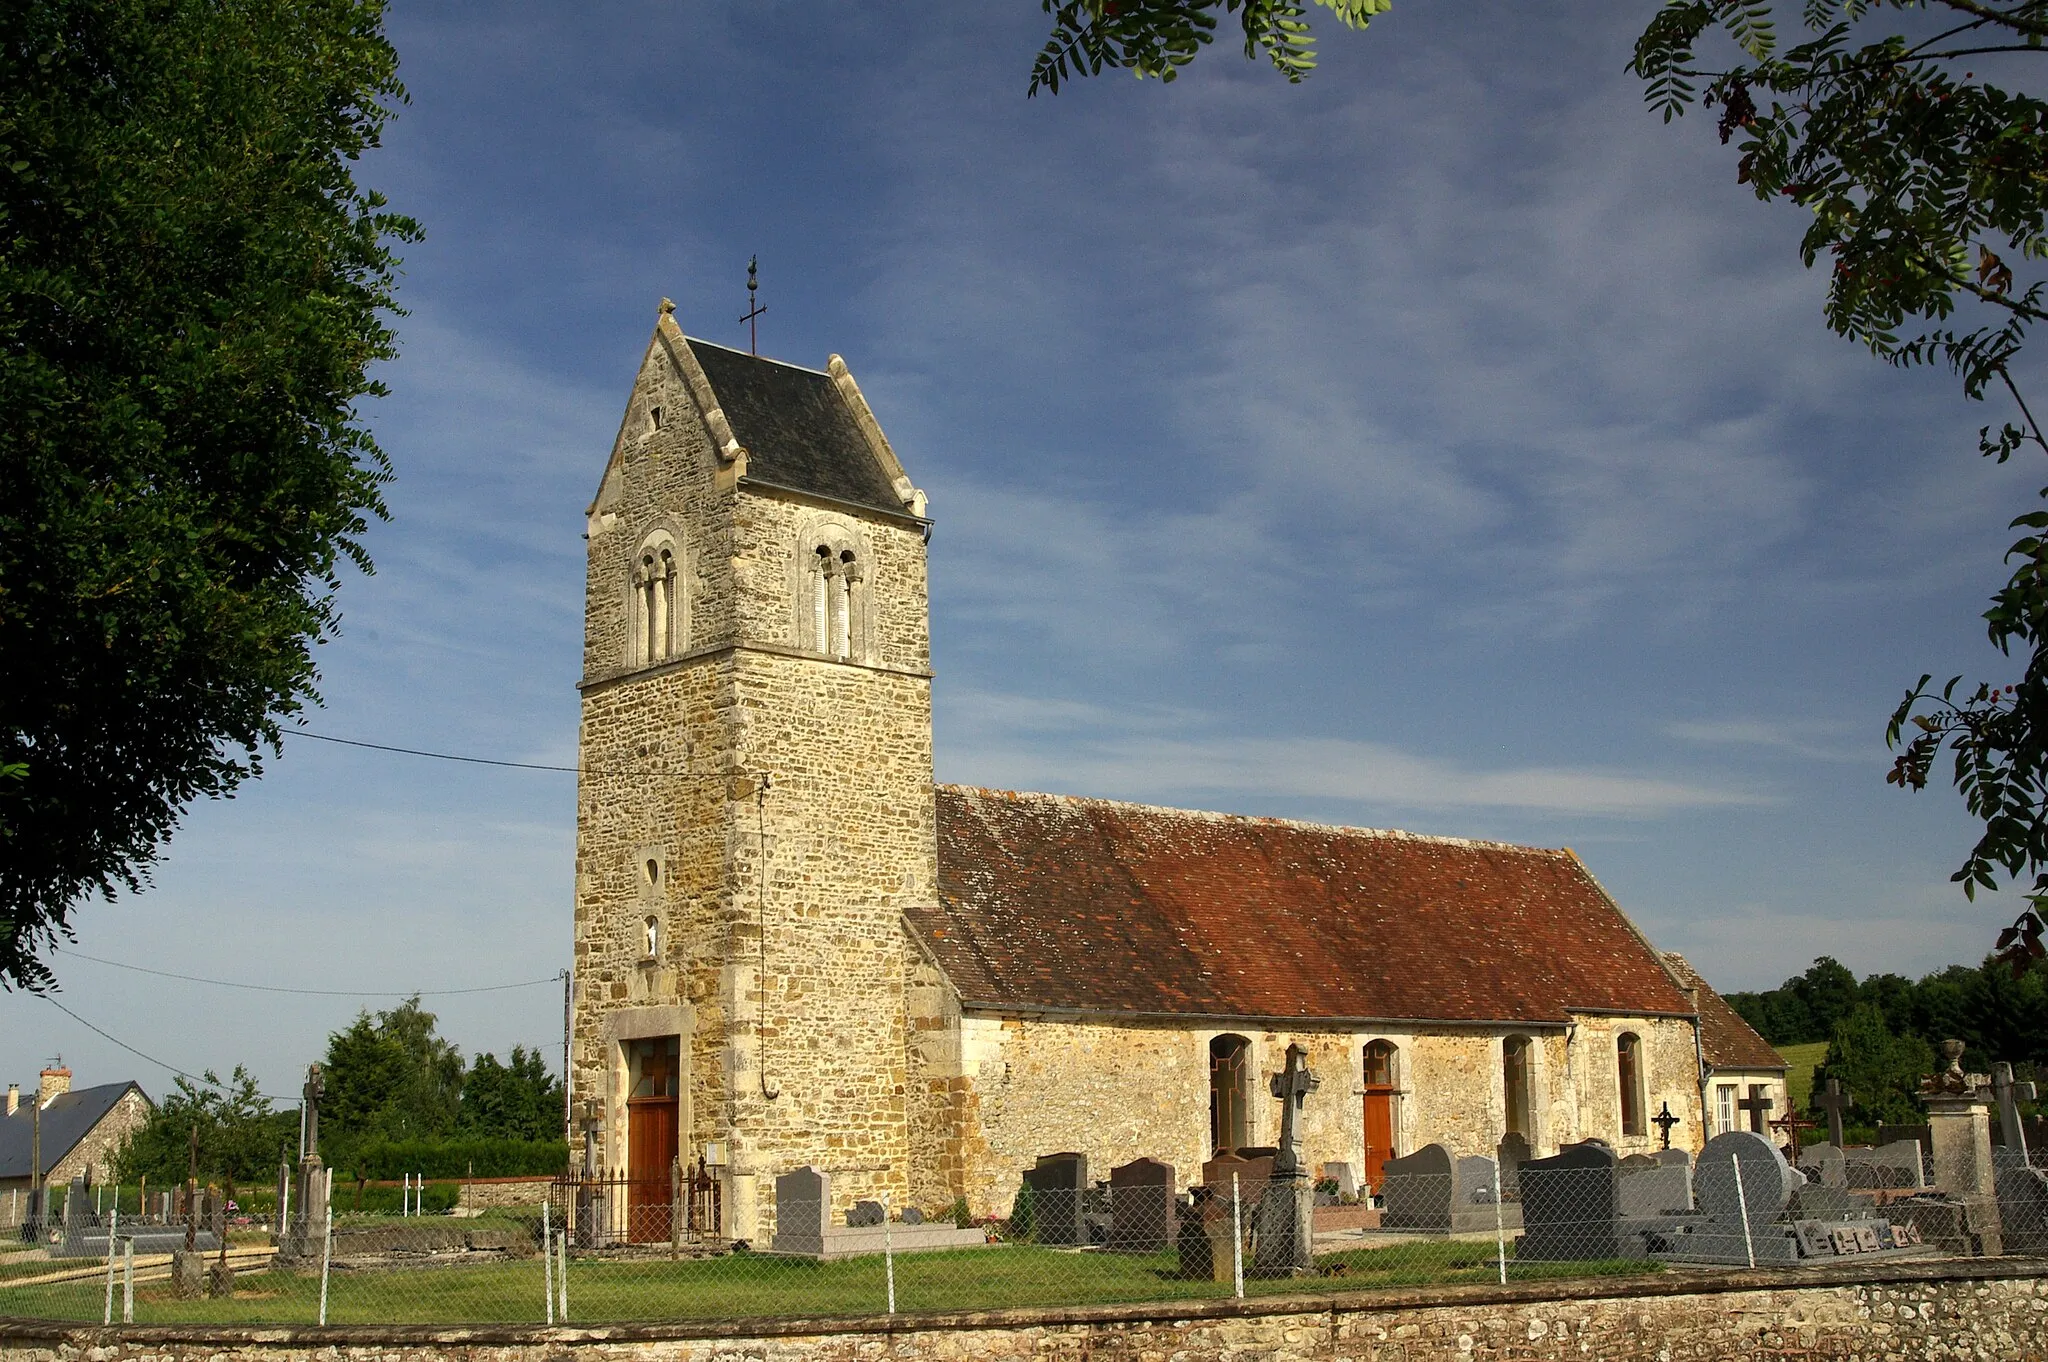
1056	1183
1758	1104
1292	1086
1141	1207
1835	1100
1286	1235
2010	1095
316	1088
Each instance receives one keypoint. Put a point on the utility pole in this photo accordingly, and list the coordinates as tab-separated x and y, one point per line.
36	1190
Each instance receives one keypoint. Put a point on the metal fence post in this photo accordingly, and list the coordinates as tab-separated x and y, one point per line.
562	1273
113	1231
547	1262
1742	1206
1500	1234
128	1281
1236	1241
326	1242
888	1254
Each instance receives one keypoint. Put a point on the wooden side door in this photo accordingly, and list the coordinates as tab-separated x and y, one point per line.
1379	1133
654	1069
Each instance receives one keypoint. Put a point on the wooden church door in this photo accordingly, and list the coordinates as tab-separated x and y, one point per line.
1379	1110
652	1139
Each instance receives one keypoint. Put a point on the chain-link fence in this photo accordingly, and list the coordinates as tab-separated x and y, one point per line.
603	1251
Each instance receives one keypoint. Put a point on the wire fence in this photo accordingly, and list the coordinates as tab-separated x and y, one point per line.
602	1251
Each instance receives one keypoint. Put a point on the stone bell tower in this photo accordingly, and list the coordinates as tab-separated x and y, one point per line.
755	808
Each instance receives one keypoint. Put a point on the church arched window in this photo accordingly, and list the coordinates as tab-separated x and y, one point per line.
1518	1085
1230	1095
659	621
1628	1063
832	605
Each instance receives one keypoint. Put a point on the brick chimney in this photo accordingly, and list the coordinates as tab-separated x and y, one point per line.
13	1098
56	1082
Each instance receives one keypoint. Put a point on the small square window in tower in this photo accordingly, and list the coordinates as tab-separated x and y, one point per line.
654	1084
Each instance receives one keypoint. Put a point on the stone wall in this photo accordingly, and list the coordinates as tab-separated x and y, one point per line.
1986	1311
779	955
993	1093
494	1194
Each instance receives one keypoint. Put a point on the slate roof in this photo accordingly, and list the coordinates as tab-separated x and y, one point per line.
1726	1040
68	1119
797	427
1048	902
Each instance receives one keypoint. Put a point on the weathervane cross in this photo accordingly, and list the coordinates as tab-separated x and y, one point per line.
754	308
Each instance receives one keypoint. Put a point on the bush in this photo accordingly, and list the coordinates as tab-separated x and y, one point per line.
480	1157
1018	1227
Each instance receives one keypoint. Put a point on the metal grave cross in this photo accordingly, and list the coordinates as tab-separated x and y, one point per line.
1792	1123
1837	1099
1758	1104
2010	1095
1291	1086
1664	1120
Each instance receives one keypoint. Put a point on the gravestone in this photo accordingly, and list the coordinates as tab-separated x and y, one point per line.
1512	1152
1826	1165
1654	1186
1894	1165
803	1211
2022	1202
1742	1176
1344	1176
1430	1190
865	1215
1141	1207
1057	1183
1834	1099
912	1216
1571	1205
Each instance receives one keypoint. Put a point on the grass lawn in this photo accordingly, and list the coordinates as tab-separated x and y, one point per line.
1801	1060
755	1284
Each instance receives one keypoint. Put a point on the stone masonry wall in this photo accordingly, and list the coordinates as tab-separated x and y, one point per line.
780	951
1975	1311
993	1093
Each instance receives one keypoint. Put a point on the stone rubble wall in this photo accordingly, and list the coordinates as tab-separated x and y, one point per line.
498	1194
993	1093
1939	1311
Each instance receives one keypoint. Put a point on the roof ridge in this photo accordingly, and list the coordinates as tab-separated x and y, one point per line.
748	354
1261	819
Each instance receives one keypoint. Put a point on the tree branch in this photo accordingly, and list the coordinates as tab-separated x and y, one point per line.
2032	314
2025	410
2005	18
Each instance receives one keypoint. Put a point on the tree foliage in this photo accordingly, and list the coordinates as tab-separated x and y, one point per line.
240	1137
519	1100
1880	1069
1158	37
1997	1016
192	291
389	1077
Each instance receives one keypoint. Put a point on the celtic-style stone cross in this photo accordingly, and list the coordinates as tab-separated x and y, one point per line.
1836	1100
1291	1087
316	1088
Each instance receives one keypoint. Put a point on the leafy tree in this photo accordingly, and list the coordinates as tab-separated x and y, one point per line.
389	1077
1882	1071
1158	37
240	1136
192	291
516	1101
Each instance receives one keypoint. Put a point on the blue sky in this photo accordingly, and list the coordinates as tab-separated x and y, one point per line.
1443	444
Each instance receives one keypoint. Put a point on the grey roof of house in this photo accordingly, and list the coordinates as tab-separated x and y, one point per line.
67	1120
796	425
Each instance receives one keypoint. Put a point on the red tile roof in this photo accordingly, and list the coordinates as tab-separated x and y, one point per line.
1726	1040
1048	902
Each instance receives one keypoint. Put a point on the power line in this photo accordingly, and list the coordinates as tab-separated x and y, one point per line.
316	992
116	1040
438	756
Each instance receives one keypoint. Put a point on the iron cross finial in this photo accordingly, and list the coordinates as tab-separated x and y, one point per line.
754	308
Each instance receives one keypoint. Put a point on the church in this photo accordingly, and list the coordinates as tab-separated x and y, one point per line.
793	947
